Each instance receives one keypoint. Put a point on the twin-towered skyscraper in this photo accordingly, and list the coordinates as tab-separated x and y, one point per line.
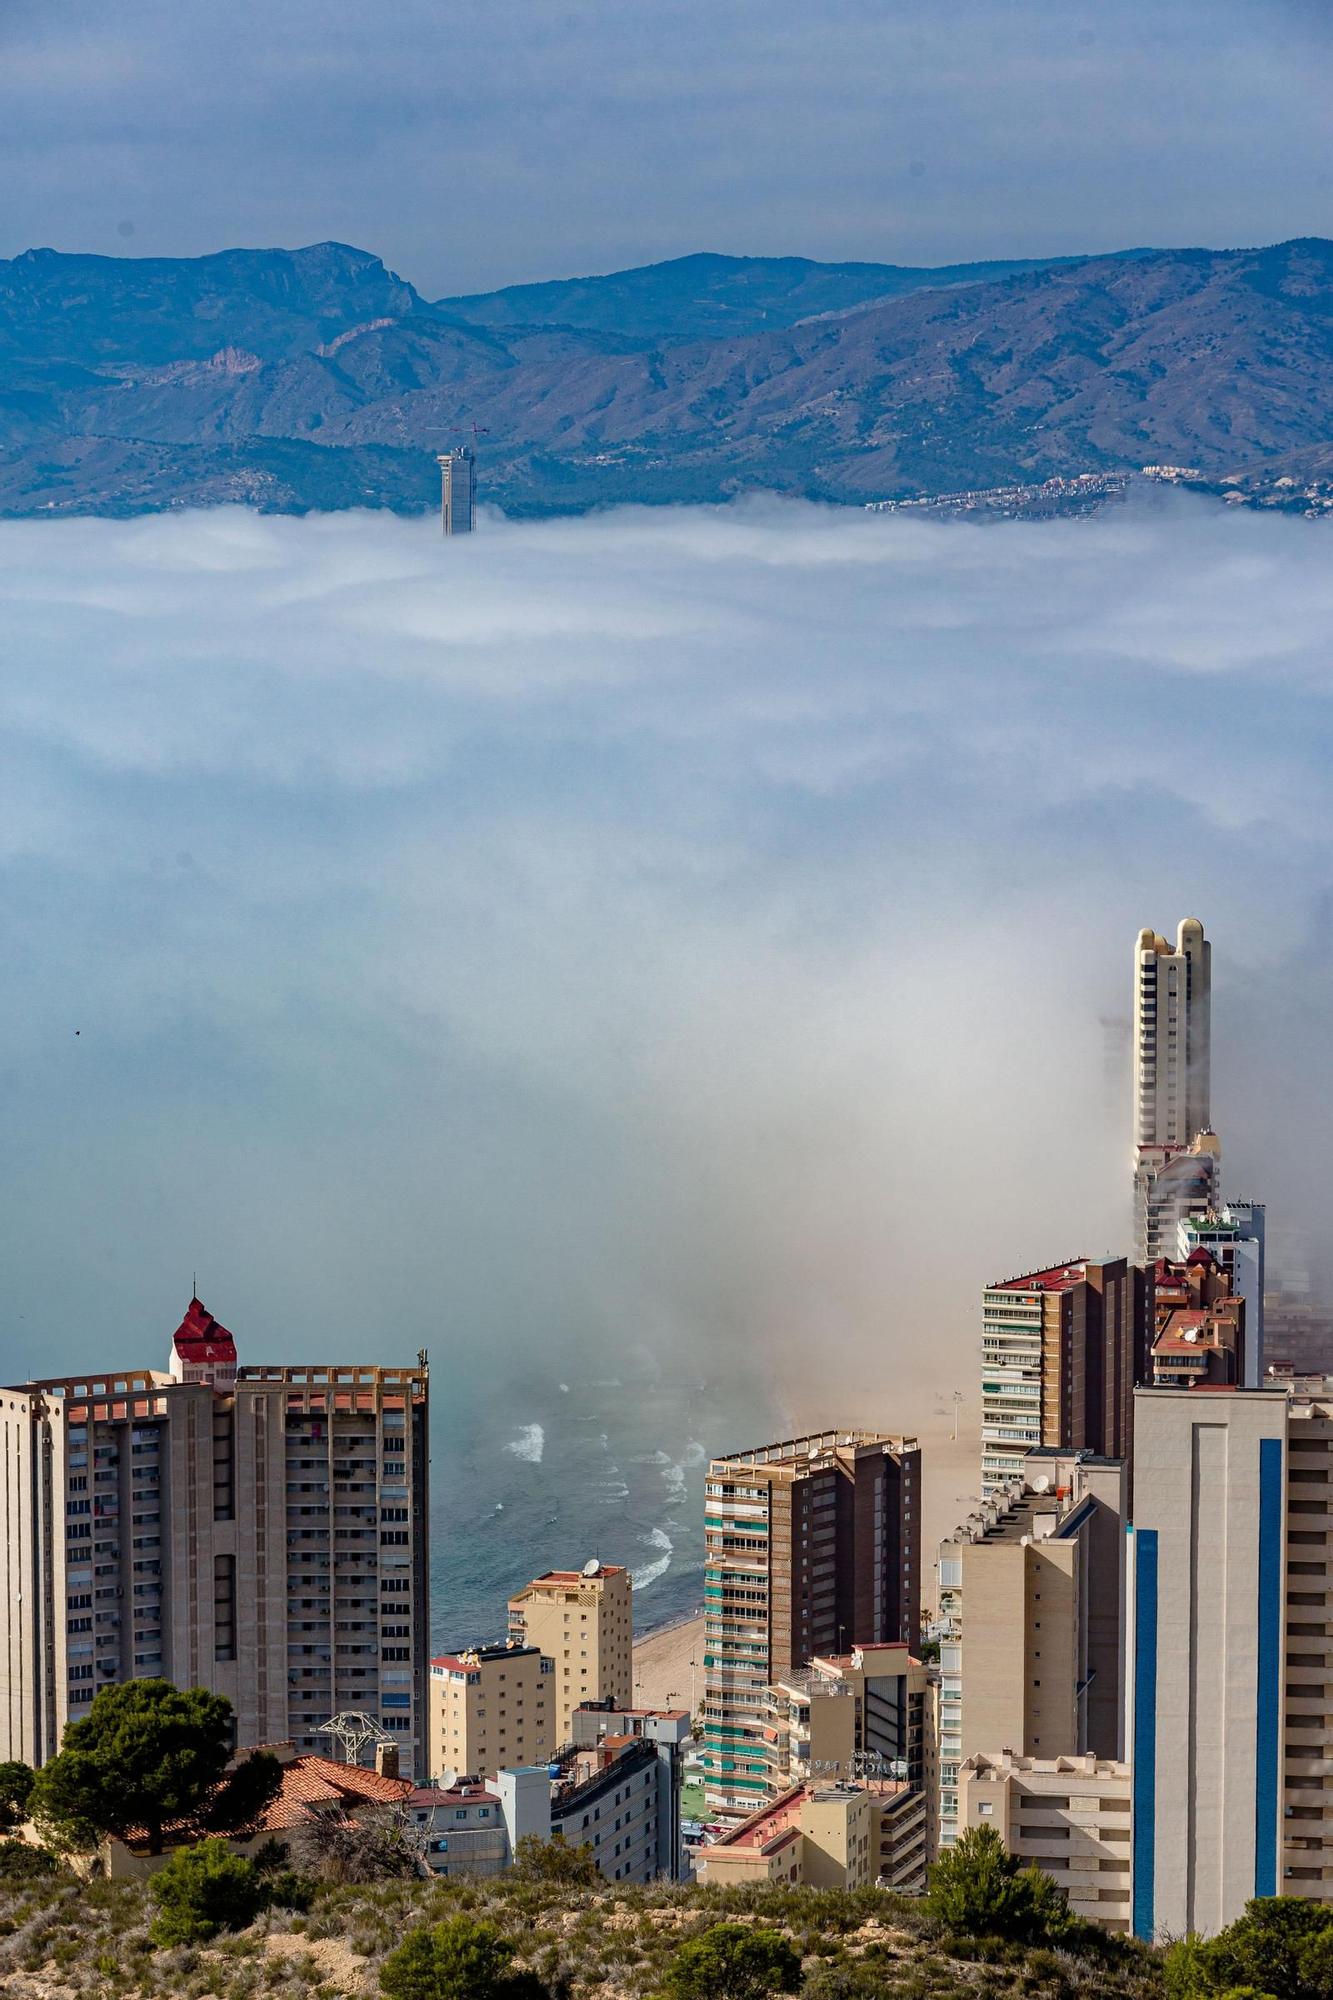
1177	1155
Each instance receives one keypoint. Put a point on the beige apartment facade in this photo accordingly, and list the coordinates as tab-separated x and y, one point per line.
583	1621
491	1708
258	1531
1069	1815
1030	1595
825	1836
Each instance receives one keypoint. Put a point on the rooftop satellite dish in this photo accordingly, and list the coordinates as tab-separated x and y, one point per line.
1042	1483
592	1568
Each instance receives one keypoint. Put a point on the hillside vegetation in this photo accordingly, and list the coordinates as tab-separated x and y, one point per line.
317	378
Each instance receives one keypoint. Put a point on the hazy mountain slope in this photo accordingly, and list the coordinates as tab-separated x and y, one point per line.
709	297
258	373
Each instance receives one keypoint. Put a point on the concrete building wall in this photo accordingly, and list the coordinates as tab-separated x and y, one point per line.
1070	1815
585	1624
1205	1654
489	1708
265	1538
1306	1859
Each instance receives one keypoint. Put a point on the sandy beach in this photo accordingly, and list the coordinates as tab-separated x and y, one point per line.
950	1467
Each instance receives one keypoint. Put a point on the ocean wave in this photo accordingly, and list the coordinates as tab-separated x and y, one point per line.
677	1486
649	1573
529	1444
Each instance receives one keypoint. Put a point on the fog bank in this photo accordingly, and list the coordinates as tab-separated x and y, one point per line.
700	931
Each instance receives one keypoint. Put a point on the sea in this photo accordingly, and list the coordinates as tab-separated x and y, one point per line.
550	1474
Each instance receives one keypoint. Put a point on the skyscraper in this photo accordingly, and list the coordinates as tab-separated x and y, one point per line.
811	1546
259	1531
1174	1173
1227	1654
457	490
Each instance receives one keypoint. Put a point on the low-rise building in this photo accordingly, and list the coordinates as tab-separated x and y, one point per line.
825	1836
1069	1815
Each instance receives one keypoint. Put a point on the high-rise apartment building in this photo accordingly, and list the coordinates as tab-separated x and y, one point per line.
812	1546
1060	1352
1029	1613
863	1714
1229	1653
583	1620
458	490
260	1531
490	1707
1172	1086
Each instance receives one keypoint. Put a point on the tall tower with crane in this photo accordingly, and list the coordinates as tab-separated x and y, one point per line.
458	486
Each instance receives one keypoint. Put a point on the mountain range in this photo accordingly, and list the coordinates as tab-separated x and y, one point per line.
318	378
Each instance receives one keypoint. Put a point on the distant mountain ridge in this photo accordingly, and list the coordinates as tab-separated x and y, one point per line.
318	378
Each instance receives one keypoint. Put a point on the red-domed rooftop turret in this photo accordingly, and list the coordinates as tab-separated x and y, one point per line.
202	1350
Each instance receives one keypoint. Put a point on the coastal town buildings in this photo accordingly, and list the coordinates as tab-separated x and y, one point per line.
825	1836
812	1546
583	1621
260	1531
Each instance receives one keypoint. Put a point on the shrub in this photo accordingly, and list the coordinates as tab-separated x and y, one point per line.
462	1959
21	1863
978	1889
1281	1949
15	1790
734	1962
203	1890
557	1860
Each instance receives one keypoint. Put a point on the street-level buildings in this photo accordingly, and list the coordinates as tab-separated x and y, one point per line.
812	1546
260	1531
583	1621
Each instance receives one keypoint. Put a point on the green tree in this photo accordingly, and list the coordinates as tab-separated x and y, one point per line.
15	1791
203	1890
734	1962
148	1756
978	1889
463	1959
1280	1949
555	1860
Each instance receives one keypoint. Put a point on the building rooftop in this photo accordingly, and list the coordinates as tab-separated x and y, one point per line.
771	1825
1056	1278
821	1444
563	1576
476	1656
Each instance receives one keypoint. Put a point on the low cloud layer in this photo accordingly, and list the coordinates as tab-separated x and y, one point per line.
707	930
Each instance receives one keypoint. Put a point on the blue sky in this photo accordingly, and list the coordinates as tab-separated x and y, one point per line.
710	925
480	142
